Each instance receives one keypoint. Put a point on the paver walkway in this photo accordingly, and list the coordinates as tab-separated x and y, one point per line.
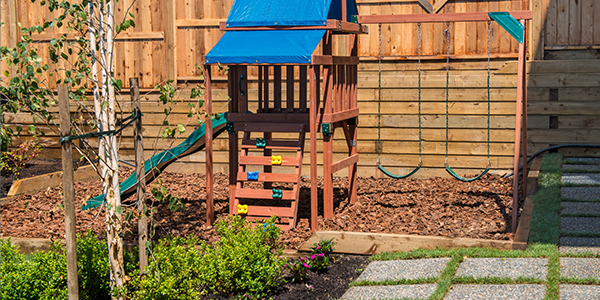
580	220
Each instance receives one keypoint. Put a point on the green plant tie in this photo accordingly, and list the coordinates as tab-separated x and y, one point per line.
447	42
134	116
379	166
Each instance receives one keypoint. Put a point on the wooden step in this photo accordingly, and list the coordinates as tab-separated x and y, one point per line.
272	145
263	194
270	127
268	211
269	177
266	161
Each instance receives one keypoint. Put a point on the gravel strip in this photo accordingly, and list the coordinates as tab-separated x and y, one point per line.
591	225
579	245
504	267
581	178
578	292
587	160
582	167
580	193
496	292
580	267
404	269
420	291
580	208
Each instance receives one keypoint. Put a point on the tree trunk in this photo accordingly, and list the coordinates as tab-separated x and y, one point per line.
108	152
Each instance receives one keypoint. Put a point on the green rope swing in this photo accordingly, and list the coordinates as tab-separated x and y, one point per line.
448	169
379	166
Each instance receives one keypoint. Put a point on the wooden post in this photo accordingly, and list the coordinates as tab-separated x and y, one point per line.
171	41
210	209
68	193
518	130
233	139
140	175
524	112
314	110
328	97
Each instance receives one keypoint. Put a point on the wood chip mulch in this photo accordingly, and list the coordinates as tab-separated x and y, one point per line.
438	207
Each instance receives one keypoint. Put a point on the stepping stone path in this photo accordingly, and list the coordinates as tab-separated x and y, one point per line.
581	215
578	292
415	291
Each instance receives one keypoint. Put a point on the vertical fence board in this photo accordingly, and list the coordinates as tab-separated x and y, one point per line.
562	22
574	22
587	22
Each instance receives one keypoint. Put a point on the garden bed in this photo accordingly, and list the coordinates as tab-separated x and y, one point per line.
434	207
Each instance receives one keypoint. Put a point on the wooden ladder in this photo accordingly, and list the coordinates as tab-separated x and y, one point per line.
264	203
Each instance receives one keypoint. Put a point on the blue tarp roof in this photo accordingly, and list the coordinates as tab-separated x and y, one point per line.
287	12
265	47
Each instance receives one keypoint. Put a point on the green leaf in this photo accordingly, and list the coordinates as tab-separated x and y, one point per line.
119	209
181	128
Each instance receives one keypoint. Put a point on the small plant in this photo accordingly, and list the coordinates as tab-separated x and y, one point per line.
245	261
321	254
12	162
298	269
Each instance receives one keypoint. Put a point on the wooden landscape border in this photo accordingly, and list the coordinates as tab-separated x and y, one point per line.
372	243
42	182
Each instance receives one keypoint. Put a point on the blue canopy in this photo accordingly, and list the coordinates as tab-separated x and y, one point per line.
265	47
246	13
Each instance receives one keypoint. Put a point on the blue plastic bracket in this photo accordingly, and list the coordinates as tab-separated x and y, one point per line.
510	24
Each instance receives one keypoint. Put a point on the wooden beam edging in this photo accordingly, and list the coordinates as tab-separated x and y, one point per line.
522	234
372	243
42	182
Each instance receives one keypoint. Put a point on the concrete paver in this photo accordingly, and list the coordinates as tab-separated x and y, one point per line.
581	178
580	193
589	225
592	208
504	267
579	244
497	292
581	167
580	267
415	291
404	269
579	292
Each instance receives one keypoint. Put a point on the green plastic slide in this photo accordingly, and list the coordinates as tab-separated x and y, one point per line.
153	166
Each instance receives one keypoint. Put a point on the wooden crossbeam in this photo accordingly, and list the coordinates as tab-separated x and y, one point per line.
426	5
436	18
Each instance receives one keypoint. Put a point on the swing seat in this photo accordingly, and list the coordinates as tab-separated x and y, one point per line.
392	175
465	179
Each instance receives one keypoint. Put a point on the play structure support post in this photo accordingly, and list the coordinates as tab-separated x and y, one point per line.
233	139
68	192
328	138
314	108
140	171
520	127
210	214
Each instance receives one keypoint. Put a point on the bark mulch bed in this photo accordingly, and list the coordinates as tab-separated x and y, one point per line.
438	207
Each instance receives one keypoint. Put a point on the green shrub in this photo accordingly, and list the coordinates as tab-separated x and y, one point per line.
172	272
245	260
37	276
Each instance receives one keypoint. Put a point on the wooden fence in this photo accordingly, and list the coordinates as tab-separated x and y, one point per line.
171	37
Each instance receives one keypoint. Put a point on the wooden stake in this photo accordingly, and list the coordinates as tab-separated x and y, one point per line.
314	110
140	175
519	112
68	193
171	41
210	210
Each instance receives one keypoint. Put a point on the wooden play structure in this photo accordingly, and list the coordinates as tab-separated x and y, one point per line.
259	35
